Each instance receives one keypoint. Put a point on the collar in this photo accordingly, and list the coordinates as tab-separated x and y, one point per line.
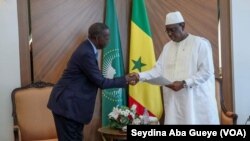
93	46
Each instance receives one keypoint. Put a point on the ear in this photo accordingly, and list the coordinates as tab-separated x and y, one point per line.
182	26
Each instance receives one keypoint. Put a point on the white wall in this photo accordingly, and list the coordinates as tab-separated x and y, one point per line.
240	12
9	65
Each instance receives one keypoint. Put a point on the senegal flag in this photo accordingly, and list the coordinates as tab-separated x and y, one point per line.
112	65
142	58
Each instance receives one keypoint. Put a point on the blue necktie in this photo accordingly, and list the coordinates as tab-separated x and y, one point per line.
96	55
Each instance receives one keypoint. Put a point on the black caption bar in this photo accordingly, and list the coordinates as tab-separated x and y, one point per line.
194	132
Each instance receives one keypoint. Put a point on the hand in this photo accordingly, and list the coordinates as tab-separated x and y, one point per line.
175	86
132	78
135	77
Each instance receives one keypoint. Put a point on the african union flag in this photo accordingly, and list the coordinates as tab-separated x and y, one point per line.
112	65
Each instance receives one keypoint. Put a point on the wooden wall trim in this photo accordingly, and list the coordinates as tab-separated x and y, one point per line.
23	26
226	53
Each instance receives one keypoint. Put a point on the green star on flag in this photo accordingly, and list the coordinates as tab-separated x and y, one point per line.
138	64
143	95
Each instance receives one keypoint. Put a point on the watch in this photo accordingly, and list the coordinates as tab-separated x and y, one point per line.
184	84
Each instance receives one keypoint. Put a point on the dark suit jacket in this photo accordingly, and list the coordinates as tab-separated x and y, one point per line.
74	94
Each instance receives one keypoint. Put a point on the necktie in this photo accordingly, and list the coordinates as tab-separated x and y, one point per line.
96	55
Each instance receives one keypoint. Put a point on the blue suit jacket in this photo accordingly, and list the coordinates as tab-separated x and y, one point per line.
74	94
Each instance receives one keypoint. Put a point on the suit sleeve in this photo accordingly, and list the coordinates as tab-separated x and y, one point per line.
89	66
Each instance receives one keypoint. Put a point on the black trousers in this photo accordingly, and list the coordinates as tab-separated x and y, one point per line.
67	129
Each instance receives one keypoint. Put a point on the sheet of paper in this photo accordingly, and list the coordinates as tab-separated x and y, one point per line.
159	81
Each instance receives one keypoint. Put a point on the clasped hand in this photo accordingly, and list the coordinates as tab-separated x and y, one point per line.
175	86
132	78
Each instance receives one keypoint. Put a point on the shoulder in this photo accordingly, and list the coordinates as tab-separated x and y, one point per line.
83	50
200	39
200	42
84	47
168	45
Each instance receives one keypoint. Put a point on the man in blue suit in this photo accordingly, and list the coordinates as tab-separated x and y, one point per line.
73	98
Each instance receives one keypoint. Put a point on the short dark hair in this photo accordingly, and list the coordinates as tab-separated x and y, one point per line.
97	29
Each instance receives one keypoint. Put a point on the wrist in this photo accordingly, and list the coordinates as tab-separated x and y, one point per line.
127	79
184	84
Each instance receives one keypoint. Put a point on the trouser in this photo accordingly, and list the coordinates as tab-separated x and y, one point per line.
67	129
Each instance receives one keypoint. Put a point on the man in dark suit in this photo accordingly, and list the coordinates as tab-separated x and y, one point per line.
72	99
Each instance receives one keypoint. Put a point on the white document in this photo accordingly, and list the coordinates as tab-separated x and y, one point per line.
159	81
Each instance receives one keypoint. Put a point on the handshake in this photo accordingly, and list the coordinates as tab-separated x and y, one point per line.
132	78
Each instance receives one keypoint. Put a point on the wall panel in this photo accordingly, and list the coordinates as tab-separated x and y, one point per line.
200	17
58	27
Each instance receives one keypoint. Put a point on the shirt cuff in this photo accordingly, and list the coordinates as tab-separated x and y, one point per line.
142	76
189	82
